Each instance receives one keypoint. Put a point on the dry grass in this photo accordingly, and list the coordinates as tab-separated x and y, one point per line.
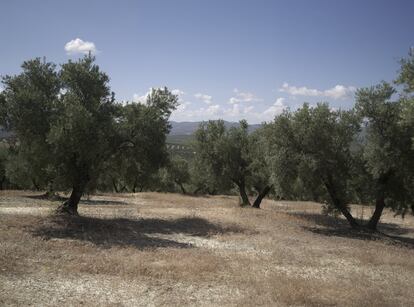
151	249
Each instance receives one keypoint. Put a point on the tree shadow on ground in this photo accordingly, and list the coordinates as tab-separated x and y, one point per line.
330	226
138	233
89	202
100	202
45	196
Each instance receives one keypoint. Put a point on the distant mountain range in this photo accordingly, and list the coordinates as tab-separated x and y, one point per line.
181	132
188	128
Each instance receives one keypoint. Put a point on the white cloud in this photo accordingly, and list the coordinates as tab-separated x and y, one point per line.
276	109
340	91
204	97
183	106
213	110
337	92
177	92
182	113
76	46
243	97
138	98
248	109
234	111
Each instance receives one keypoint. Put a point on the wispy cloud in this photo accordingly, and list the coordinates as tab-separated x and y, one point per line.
204	97
336	92
138	98
277	108
243	97
178	92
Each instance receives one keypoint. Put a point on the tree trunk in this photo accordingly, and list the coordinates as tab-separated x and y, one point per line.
380	201
197	190
182	187
211	192
115	186
260	196
338	203
379	207
243	194
37	187
71	205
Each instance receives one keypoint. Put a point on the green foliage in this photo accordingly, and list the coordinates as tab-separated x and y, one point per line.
28	109
387	150
231	157
259	171
21	172
141	130
178	172
309	153
406	75
82	134
69	127
209	146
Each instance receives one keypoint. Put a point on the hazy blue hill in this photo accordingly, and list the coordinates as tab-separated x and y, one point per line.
182	139
188	128
181	132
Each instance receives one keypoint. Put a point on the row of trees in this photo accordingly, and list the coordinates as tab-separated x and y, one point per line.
72	134
363	155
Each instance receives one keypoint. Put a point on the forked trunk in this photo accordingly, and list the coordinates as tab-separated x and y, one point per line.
260	197
380	201
182	188
243	194
376	216
71	205
336	201
115	186
197	190
37	187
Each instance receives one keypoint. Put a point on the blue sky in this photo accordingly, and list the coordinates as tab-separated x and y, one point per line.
226	59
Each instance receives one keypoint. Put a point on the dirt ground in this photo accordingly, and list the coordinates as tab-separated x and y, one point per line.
152	249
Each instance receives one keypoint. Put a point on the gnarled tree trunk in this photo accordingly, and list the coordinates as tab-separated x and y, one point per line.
260	196
2	180
376	216
337	202
380	201
115	186
181	187
242	189
71	205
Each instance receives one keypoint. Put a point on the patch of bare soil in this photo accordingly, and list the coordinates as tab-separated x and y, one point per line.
155	249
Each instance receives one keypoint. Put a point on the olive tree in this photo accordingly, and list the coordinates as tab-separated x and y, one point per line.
388	149
141	130
318	140
231	156
68	123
